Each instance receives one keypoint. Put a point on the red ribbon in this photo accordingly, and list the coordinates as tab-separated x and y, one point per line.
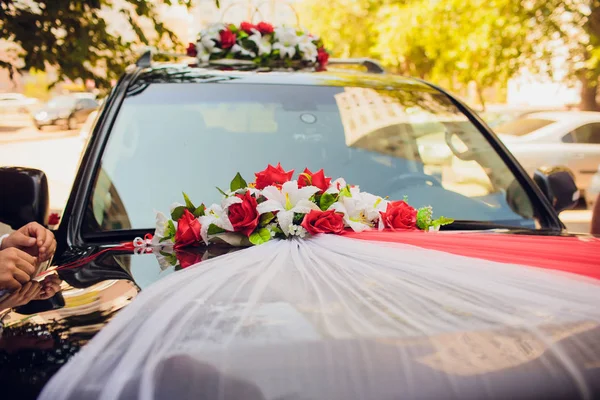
128	246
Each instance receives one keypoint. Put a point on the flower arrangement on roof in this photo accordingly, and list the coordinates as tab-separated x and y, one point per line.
262	44
275	206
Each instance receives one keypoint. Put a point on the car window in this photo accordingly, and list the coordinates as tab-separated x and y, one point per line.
522	126
589	133
89	103
568	138
176	137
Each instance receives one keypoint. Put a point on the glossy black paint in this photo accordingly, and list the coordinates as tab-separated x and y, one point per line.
58	339
25	196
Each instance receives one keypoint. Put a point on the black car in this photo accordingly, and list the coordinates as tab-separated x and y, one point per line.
168	128
67	110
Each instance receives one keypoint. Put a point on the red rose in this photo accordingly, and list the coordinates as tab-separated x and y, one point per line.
317	221
191	50
322	58
399	215
227	38
272	176
317	179
247	27
265	28
188	230
53	219
243	216
188	258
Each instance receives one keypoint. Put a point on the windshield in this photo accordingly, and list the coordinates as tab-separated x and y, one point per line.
190	137
61	102
522	126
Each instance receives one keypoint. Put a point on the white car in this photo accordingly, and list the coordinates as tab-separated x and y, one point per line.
15	103
570	138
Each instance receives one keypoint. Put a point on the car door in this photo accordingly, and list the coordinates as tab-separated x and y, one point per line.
582	147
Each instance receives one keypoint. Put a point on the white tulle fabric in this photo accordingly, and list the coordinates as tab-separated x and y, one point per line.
240	313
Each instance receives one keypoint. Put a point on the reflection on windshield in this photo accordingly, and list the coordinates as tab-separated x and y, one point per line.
394	142
522	126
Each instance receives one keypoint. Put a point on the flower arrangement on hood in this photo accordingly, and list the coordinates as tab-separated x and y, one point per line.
262	43
275	206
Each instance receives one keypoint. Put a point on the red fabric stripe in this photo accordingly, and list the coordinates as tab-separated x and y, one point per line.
570	254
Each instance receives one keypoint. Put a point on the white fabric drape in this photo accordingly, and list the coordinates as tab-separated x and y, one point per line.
337	318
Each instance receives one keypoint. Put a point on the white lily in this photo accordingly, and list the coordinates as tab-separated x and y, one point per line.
372	205
336	186
162	260
262	42
218	215
236	48
354	214
286	41
308	48
161	229
286	201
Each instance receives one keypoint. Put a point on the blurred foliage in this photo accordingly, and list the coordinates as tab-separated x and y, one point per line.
74	36
454	42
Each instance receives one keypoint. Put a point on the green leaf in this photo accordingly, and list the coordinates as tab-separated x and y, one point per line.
266	218
188	203
326	200
214	230
199	212
171	230
222	192
298	218
276	229
171	258
177	213
237	183
261	236
345	192
441	221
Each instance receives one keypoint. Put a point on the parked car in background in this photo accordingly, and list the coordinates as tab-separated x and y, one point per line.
15	103
570	138
68	110
497	115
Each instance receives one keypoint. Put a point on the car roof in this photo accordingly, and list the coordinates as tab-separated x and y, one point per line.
583	116
182	73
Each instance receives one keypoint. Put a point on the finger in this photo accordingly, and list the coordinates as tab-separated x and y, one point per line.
33	291
49	244
24	289
25	267
51	289
28	258
18	239
37	231
13	285
21	276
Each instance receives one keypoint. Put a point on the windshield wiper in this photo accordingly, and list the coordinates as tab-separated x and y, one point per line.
465	225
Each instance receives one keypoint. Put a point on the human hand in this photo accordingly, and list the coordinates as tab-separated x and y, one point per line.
50	286
16	268
29	291
34	239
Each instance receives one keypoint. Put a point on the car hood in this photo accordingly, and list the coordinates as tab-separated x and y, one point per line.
94	292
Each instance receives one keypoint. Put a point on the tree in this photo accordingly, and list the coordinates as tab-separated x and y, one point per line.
74	36
454	42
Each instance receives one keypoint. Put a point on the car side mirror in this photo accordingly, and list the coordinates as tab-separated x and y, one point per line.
558	185
25	196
